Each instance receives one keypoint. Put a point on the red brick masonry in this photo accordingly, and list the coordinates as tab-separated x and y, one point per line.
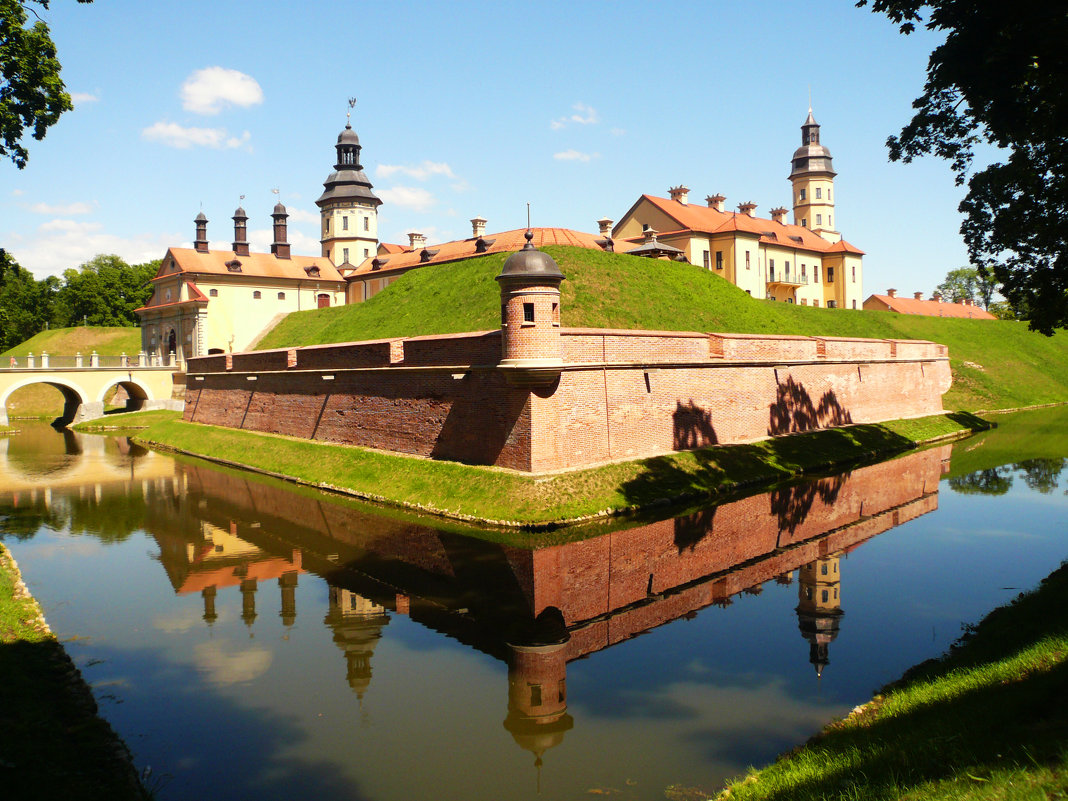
621	394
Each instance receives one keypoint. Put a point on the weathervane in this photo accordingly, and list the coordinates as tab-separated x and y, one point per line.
352	105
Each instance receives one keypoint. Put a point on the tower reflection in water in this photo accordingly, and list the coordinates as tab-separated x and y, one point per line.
534	608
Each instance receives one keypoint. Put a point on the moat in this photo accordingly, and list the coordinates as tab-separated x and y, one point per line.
251	640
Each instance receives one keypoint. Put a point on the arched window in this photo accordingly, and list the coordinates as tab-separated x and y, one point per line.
256	295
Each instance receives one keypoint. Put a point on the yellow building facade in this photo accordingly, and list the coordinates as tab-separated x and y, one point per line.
805	262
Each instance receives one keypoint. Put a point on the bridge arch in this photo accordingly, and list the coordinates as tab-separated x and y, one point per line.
72	392
137	390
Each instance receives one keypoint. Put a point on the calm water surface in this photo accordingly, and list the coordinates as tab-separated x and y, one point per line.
249	640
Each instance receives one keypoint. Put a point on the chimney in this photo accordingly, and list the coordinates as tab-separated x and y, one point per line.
604	225
937	297
891	293
747	208
478	226
200	244
240	232
416	240
280	247
715	202
779	215
919	295
680	193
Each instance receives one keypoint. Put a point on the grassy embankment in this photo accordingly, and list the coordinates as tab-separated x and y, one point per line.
987	721
53	744
996	364
45	402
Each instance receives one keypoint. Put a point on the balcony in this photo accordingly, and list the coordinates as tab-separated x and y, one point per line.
786	278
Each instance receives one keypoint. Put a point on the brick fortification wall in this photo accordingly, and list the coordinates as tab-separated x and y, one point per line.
621	394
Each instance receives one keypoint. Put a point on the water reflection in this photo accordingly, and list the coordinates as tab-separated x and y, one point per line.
236	547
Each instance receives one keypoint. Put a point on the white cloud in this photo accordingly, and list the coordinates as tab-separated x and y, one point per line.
300	215
419	172
618	131
408	197
584	115
174	135
222	663
575	155
209	90
81	98
18	192
59	245
67	210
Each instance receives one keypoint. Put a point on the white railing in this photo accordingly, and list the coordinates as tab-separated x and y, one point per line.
80	361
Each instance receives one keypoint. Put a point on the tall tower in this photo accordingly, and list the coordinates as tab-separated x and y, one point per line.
812	177
348	208
819	607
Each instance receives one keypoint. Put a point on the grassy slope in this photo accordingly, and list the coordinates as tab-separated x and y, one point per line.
987	721
996	364
84	340
505	497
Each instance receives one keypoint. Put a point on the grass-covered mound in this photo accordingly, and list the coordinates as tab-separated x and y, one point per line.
106	341
987	721
508	498
996	363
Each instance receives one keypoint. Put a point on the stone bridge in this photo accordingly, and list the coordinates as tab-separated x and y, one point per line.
147	385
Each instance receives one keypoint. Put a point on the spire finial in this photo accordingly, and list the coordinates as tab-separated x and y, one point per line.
529	236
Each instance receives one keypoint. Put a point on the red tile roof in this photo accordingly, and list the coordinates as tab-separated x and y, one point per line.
258	265
929	308
467	248
708	220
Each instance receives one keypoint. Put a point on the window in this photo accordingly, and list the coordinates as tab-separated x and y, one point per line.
528	312
854	273
816	273
213	293
802	194
771	269
804	222
830	221
854	304
344	223
803	276
719	259
823	596
831	304
281	295
816	303
830	275
804	301
708	260
256	295
818	191
828	194
504	314
556	314
789	300
345	255
366	253
819	219
747	260
326	225
367	223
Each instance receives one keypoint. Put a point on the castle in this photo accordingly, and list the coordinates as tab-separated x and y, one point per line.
221	301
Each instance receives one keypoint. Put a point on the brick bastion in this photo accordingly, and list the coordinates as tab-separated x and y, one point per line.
536	397
616	395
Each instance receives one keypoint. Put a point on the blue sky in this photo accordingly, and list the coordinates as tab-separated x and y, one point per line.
468	109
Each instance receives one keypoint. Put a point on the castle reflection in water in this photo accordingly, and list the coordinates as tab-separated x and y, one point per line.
535	608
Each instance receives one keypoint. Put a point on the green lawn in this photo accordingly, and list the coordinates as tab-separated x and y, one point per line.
996	364
512	499
106	341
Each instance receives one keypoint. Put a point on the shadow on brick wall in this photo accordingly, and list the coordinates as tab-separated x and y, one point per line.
794	411
692	427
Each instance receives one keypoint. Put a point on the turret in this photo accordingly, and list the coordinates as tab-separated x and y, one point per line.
530	316
348	209
812	178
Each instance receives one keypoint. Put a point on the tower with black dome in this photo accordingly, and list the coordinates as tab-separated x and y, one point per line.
530	316
348	209
812	177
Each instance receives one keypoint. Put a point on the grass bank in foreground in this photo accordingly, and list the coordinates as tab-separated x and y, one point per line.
53	744
987	721
505	498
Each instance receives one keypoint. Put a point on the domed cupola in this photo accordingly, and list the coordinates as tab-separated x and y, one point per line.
348	208
811	156
812	176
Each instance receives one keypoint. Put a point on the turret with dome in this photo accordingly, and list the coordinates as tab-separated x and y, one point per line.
348	209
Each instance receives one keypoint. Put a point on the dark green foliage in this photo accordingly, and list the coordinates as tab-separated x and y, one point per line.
104	291
1000	78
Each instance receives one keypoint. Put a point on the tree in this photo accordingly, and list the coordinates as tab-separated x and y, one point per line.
999	78
32	96
104	291
966	283
25	304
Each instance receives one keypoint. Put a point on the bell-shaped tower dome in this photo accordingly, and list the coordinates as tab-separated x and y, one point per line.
348	209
